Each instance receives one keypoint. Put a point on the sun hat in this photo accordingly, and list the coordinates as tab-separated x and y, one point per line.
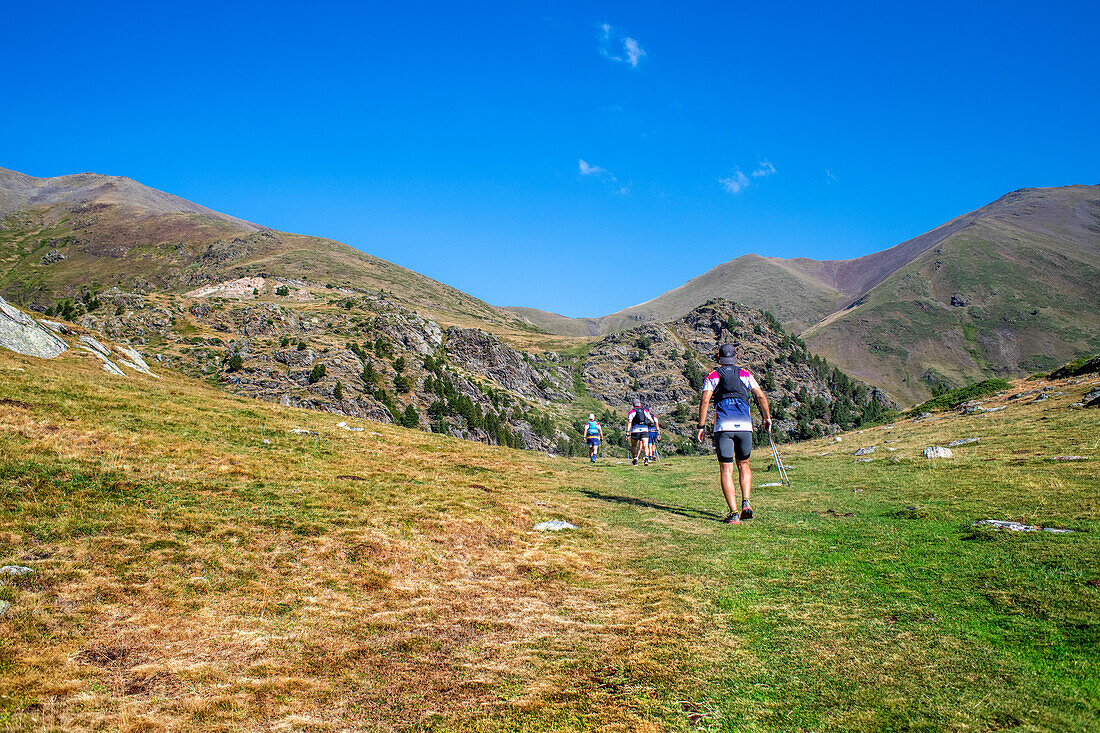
591	416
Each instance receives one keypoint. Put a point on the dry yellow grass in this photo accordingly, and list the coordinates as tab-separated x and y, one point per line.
200	567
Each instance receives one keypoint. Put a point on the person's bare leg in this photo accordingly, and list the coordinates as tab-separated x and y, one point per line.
744	477
725	472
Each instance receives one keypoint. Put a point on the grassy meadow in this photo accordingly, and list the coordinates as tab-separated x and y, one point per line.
201	567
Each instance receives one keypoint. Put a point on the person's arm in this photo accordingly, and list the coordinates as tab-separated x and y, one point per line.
657	425
704	405
765	411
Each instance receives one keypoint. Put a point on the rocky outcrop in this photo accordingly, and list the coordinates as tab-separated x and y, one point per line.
663	365
22	334
484	355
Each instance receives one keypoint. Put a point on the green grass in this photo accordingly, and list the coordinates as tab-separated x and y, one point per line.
192	576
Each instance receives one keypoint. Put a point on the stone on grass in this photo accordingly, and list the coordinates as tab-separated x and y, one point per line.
863	460
999	524
345	426
4	606
554	525
774	483
937	451
962	441
996	409
15	570
303	431
1070	458
864	451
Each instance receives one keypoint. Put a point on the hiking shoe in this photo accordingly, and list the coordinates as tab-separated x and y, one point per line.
746	512
731	518
633	461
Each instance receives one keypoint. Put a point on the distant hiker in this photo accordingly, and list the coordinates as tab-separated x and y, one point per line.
593	433
638	421
730	387
654	436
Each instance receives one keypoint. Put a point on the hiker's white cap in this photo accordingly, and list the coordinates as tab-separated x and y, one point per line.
591	416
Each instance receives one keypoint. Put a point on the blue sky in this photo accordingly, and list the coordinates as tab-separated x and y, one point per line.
579	157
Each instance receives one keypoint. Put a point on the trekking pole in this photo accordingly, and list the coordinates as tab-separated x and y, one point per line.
778	462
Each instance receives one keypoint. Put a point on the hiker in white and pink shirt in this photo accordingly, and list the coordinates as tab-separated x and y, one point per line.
730	387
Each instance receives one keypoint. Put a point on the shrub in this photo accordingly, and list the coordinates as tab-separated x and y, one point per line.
338	392
284	341
411	418
317	373
643	342
235	362
402	384
956	397
301	346
282	290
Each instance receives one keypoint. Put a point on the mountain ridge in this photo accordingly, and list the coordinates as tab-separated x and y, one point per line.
918	316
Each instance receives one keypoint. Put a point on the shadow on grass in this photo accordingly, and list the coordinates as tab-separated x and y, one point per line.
645	504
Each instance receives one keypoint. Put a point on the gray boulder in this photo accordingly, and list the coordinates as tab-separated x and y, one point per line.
937	451
865	451
24	335
16	570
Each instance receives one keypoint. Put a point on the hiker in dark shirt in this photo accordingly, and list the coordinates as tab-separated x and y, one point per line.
730	388
638	421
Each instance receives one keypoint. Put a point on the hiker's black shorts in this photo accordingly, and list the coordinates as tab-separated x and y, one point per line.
732	444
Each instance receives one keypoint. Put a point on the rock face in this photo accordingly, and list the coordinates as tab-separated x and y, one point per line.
362	355
22	334
523	374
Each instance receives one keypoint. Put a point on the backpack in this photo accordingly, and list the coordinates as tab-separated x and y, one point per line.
731	396
642	416
592	429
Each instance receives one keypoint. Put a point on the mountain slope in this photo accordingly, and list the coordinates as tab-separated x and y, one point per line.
1022	273
1014	291
59	235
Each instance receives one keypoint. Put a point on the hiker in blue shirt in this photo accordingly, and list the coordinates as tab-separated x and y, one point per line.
593	433
654	436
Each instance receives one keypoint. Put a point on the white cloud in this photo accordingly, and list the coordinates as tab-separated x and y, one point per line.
632	51
763	169
735	183
829	175
587	169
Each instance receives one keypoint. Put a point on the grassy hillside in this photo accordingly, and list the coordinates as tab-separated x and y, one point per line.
59	235
1006	289
994	299
200	567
